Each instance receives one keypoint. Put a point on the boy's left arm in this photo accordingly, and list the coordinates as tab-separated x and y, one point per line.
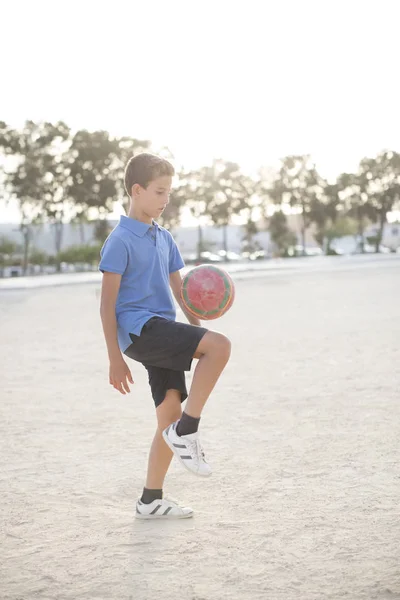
175	281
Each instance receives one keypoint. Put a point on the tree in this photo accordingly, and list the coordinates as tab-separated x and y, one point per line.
102	230
11	144
324	213
381	178
250	230
7	250
35	175
228	192
356	203
195	192
55	205
341	227
171	216
298	184
96	163
256	202
91	185
212	193
281	236
126	147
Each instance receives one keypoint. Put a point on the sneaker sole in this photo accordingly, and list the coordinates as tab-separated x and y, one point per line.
171	446
164	517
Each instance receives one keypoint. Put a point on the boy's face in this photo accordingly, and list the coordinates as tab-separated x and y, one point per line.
153	200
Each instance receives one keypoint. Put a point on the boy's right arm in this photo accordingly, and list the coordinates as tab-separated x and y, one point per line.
119	370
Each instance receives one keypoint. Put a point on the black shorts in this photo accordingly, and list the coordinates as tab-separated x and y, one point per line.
166	349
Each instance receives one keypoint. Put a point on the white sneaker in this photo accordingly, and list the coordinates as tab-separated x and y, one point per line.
162	509
188	450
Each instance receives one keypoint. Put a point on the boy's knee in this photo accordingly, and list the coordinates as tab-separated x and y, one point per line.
222	345
214	343
169	410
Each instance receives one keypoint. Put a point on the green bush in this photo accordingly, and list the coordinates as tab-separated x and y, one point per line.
80	254
8	249
372	240
37	257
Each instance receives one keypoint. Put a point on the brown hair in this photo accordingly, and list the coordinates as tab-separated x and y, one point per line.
144	168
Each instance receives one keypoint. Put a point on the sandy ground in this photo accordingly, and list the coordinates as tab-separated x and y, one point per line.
302	432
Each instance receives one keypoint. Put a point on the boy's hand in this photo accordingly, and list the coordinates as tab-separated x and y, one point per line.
175	281
120	375
193	320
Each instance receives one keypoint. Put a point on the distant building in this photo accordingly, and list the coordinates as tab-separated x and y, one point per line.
390	237
213	238
43	236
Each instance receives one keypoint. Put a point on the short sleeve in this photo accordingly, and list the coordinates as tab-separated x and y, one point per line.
175	259
114	256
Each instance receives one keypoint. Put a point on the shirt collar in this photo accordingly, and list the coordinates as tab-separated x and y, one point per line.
137	227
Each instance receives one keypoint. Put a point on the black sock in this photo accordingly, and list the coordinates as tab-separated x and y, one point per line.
187	425
149	496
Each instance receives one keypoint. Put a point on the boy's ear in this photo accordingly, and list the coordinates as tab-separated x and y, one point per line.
135	190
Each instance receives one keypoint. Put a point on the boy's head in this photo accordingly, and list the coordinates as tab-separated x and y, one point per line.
148	180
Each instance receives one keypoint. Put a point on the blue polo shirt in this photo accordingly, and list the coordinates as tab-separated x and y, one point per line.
144	255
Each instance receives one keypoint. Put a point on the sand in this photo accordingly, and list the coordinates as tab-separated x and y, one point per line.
302	432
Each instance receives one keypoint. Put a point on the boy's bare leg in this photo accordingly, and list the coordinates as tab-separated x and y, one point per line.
152	505
160	455
213	353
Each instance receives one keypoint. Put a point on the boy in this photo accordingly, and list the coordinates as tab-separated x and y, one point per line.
140	263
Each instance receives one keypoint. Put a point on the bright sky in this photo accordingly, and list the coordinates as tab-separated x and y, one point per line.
242	80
